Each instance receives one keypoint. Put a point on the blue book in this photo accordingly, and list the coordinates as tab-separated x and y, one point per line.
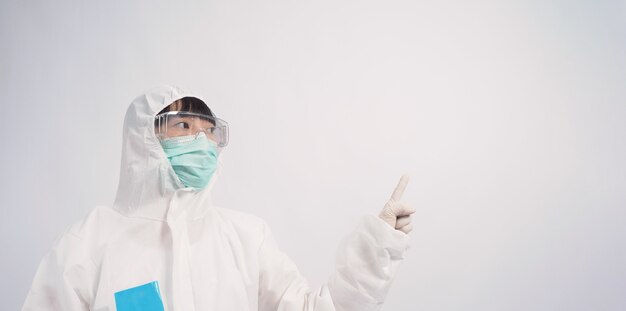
145	297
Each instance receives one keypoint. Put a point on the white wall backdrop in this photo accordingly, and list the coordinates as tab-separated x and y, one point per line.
510	116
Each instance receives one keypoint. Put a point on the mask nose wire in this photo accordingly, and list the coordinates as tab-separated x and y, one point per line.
200	130
206	134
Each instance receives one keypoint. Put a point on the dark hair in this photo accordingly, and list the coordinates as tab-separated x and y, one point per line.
191	104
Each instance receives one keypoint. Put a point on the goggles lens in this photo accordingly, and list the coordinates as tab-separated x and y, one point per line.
182	123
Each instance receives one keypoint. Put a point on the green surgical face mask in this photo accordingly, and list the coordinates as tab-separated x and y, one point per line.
193	158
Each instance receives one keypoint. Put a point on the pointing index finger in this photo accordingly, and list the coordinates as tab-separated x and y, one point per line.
397	193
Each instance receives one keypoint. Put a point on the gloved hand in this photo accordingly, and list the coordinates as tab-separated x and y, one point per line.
396	213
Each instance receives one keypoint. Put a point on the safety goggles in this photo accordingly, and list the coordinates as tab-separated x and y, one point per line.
183	123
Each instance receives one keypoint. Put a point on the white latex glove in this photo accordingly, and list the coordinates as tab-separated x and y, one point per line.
398	214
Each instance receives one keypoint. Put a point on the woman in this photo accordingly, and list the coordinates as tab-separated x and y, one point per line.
164	246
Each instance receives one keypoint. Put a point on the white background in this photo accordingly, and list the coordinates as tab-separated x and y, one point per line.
510	117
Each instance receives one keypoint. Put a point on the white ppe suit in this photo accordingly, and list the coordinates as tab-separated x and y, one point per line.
203	257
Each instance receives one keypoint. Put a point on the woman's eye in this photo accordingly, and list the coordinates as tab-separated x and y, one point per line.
182	125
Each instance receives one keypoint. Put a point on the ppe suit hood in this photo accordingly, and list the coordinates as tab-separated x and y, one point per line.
148	186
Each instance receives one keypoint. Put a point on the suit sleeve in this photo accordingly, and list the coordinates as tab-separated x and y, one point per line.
365	265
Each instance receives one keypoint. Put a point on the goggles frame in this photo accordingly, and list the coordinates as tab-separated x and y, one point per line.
220	126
